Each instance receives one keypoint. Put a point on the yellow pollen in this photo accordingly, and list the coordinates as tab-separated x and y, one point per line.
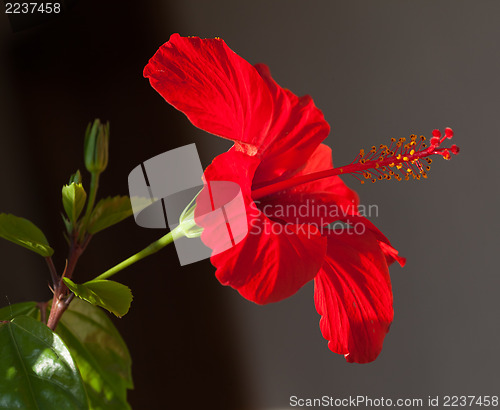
412	152
405	158
398	156
399	166
408	170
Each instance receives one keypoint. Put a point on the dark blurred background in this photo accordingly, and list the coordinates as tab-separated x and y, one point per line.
377	69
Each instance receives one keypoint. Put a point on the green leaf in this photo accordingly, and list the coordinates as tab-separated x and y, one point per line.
109	212
36	369
108	294
97	348
76	178
100	353
24	233
30	309
73	197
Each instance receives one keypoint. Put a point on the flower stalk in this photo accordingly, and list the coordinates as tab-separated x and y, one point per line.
178	232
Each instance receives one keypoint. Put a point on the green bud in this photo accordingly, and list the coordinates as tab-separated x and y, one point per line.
96	147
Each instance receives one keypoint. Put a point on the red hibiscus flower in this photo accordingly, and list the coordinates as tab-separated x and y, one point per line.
281	165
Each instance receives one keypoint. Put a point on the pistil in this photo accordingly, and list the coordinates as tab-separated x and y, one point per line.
400	160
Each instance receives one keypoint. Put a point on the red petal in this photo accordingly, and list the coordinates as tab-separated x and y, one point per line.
296	130
218	90
223	94
353	295
320	202
391	254
274	261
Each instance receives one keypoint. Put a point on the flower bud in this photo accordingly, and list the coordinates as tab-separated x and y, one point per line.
96	147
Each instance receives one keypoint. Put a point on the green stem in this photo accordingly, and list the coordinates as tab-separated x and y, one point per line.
178	232
94	185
